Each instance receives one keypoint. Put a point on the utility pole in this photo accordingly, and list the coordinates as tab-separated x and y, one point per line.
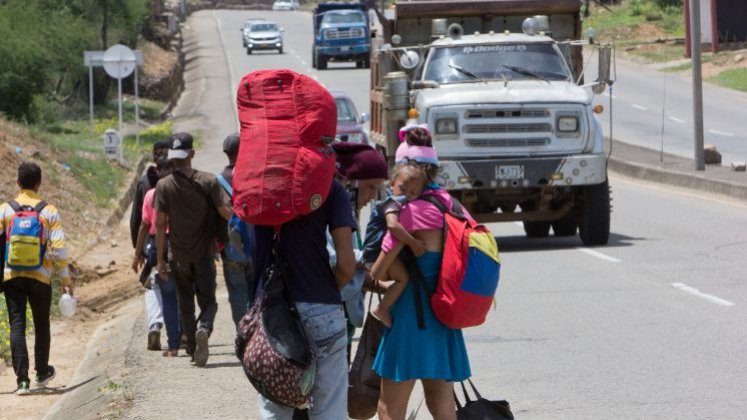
697	84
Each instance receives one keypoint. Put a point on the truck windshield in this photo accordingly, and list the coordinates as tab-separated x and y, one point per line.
354	17
263	27
496	62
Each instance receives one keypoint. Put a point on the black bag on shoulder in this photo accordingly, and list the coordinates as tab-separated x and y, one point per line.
480	408
272	343
217	225
363	383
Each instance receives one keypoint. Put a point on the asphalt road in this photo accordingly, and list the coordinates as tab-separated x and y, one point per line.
652	326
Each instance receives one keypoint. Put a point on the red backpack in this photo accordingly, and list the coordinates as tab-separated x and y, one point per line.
285	164
470	270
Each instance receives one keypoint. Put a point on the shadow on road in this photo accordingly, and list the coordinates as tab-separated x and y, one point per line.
508	244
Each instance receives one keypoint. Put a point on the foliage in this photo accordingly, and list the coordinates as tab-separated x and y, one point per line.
42	48
734	79
663	4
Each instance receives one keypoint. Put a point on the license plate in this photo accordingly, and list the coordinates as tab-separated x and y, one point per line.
509	172
344	48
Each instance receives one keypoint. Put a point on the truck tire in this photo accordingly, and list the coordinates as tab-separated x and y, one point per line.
565	226
313	57
367	62
594	226
321	62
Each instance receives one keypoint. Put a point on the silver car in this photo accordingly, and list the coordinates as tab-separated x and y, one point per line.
245	29
264	36
285	5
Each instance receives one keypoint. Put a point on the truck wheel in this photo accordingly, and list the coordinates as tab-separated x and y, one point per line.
313	58
367	62
566	226
594	224
537	229
321	62
359	64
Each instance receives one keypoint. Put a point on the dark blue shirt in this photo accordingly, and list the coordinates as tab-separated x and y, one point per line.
303	247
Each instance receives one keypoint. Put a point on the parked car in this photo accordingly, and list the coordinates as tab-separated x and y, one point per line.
349	122
245	29
264	35
285	5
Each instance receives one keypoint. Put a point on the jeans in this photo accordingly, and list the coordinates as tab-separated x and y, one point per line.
239	282
18	291
166	292
325	325
195	279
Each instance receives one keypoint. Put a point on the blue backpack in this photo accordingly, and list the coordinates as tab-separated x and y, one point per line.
26	239
240	246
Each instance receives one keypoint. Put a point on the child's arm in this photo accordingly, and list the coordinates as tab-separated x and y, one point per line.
399	232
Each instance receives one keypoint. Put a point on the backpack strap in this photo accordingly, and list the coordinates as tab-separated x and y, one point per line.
18	207
40	206
224	183
15	206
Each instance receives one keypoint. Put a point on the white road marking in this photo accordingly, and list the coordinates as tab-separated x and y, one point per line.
231	79
721	133
607	94
642	108
677	120
695	292
599	255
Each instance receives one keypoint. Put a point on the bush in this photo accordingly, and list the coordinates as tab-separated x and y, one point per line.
664	4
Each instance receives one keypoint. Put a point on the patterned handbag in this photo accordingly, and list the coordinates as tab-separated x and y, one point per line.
273	347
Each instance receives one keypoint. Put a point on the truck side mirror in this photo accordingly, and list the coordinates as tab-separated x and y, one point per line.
363	118
605	60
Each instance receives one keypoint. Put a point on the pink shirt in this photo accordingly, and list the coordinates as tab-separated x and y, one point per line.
149	212
420	215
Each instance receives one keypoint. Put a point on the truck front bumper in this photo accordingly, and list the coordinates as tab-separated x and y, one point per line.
345	51
463	173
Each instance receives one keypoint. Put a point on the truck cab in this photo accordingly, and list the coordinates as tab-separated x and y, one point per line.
518	138
341	33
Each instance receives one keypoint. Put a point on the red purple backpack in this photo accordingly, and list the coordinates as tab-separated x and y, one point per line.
285	164
470	270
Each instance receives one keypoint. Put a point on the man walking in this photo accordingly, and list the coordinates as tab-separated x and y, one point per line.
153	299
238	268
191	202
27	274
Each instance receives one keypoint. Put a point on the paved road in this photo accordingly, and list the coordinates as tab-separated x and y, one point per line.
654	109
651	326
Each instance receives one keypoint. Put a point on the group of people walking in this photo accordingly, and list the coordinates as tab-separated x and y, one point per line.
181	220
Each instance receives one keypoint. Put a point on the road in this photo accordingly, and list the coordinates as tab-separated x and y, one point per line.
653	109
652	326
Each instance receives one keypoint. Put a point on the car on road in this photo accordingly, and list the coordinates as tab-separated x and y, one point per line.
349	122
264	35
285	5
245	29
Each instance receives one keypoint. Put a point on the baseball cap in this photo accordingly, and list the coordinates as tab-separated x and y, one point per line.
231	144
181	145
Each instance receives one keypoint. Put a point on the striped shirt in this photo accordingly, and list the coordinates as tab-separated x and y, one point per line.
55	255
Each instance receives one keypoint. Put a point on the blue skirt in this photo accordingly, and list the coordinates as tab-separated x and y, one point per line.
408	353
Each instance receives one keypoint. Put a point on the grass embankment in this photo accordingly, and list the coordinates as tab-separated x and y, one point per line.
654	34
77	177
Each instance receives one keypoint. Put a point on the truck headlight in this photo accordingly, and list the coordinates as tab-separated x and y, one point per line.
568	124
446	126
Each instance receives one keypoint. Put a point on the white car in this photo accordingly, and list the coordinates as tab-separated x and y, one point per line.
285	5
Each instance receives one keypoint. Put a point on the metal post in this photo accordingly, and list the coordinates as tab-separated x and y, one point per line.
137	111
121	134
90	94
697	84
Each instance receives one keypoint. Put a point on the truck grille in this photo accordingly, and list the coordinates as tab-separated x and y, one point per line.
507	113
528	142
508	128
334	34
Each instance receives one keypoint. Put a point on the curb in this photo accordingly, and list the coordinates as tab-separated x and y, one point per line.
678	179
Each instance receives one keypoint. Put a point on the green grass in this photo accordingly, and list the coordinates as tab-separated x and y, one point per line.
631	14
664	53
734	79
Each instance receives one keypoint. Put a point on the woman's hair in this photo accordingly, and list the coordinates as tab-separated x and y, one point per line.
410	170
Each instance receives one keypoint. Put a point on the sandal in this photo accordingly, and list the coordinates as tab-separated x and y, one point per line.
171	353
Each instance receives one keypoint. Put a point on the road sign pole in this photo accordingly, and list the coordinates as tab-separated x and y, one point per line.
137	111
90	95
697	84
121	134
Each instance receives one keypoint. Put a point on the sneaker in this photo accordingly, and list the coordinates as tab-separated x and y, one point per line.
154	339
42	380
23	388
201	354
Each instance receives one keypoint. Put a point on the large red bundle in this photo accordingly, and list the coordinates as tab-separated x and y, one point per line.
285	164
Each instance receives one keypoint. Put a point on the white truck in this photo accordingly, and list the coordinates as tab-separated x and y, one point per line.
517	136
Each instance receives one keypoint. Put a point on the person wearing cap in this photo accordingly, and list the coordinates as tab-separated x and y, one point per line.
362	170
238	267
191	203
153	299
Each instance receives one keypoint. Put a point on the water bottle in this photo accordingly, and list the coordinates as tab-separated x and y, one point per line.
68	305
